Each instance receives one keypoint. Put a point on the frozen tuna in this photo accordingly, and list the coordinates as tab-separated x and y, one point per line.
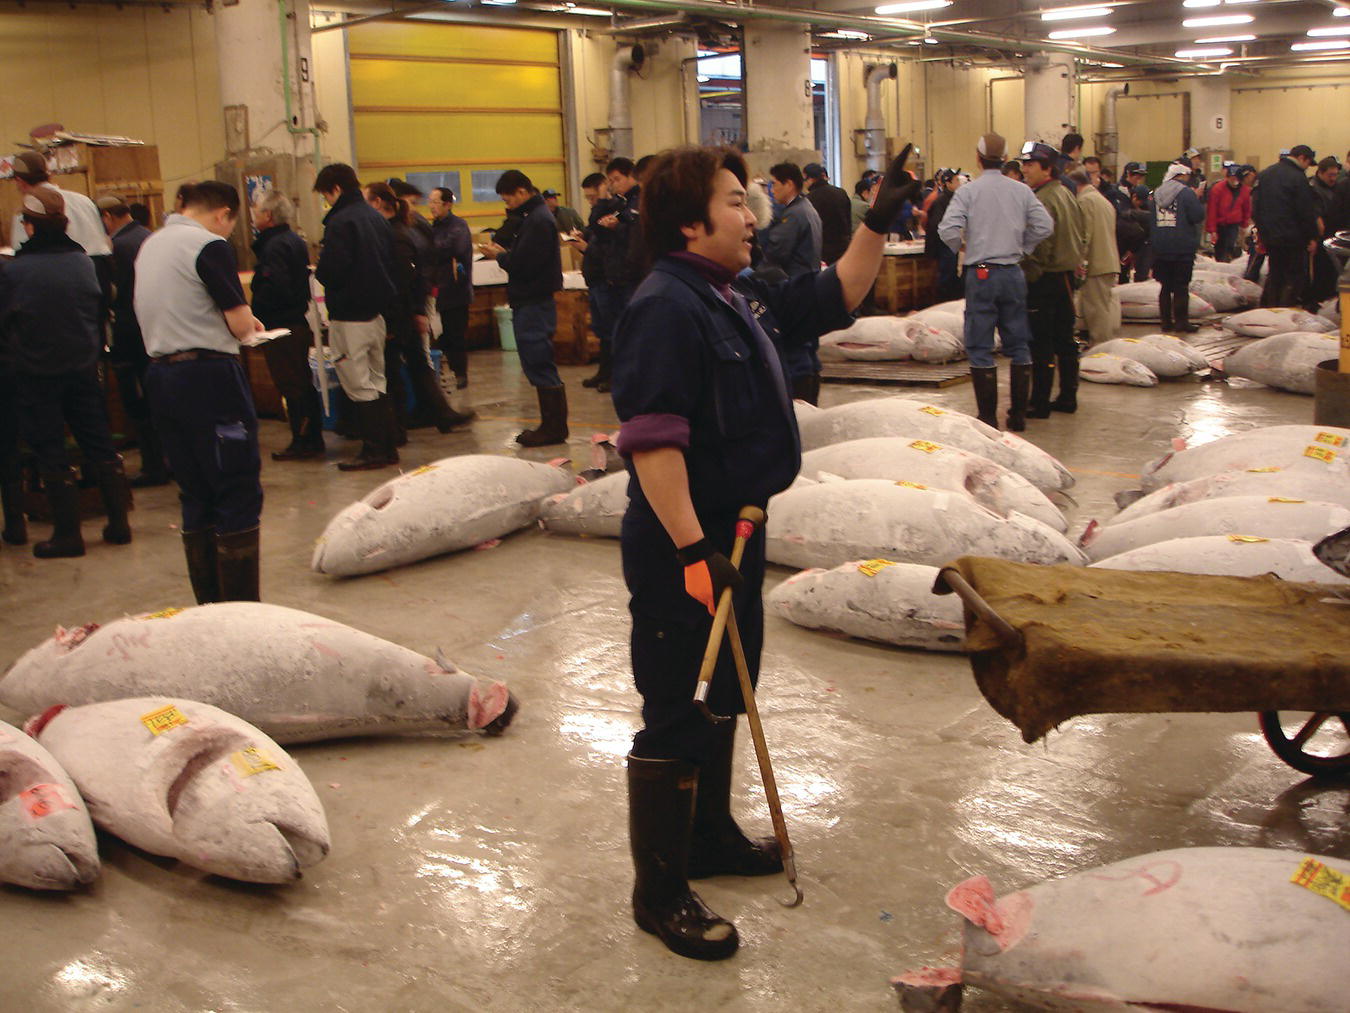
297	676
951	322
936	345
1218	293
1267	516
924	463
1286	361
185	780
46	839
596	508
1298	481
875	599
1237	555
1262	323
450	504
1139	301
1331	310
1160	360
827	525
880	338
1265	447
1174	344
1334	551
1247	930
1101	367
898	416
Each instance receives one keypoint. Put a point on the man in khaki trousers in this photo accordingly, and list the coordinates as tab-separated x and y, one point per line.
1098	304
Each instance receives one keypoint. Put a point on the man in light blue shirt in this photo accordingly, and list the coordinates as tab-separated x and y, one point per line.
1001	221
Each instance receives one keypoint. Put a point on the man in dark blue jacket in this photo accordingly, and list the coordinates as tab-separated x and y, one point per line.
356	270
533	267
701	387
606	301
281	299
453	281
1285	215
51	308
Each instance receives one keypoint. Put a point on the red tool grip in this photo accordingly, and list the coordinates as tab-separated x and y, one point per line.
745	529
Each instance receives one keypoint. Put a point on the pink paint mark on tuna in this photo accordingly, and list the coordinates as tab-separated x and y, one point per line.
491	543
122	643
70	639
325	650
1159	876
1178	444
1007	920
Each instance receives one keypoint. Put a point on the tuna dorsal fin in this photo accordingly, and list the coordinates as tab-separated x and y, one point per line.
446	664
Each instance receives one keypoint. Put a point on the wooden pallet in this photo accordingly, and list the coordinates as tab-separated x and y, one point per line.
1215	347
903	374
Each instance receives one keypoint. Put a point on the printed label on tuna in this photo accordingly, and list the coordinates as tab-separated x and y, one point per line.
1264	471
925	446
252	761
1330	439
1247	539
1285	499
422	470
1323	881
162	613
910	485
871	567
43	800
164	719
1321	454
932	410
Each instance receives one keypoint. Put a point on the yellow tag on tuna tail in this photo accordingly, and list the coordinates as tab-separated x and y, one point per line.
1247	539
872	567
421	471
911	485
1264	471
1323	881
162	614
932	410
925	446
1284	499
1321	454
1330	439
252	761
164	719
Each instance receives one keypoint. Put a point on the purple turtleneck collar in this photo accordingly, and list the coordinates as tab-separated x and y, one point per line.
714	273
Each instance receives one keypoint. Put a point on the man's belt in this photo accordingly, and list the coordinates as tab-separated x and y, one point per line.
193	354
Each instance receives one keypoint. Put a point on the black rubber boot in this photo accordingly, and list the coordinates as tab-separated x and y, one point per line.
377	436
63	496
431	400
660	814
717	847
1019	391
116	493
552	419
237	565
985	381
807	388
1181	312
199	549
1042	383
1067	402
306	431
153	470
16	523
1165	311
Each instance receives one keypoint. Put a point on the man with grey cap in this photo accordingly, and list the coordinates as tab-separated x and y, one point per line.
1001	221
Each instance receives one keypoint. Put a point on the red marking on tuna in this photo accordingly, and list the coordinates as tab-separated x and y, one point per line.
1007	920
68	640
325	650
34	725
43	800
491	543
1161	875
930	976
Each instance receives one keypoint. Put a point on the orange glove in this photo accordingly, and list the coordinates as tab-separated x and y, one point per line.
707	573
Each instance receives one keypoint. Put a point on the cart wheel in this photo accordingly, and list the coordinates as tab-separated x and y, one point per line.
1315	743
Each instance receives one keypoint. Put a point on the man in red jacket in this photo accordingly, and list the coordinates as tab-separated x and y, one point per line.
1230	209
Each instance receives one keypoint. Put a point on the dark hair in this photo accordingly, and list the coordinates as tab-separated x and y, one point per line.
384	193
403	188
337	176
1070	142
1012	168
446	193
1094	159
139	213
512	180
988	163
54	224
643	166
212	195
1328	163
864	184
594	179
184	194
678	191
1302	151
787	172
620	164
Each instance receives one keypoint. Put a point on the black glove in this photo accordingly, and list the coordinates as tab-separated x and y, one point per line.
707	573
897	187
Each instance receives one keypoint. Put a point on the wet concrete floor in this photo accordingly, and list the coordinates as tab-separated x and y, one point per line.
473	874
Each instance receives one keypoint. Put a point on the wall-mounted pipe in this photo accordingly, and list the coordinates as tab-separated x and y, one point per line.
1108	143
874	126
628	58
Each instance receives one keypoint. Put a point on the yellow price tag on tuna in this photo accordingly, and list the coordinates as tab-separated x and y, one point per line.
872	567
1264	471
1320	454
1132	341
1247	539
910	485
1284	499
421	471
932	410
162	614
1324	881
164	719
252	761
925	446
1330	439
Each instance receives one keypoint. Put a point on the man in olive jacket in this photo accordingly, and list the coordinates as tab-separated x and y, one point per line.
1051	271
1098	304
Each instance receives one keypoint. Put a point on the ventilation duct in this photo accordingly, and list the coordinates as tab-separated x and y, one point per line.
874	127
627	59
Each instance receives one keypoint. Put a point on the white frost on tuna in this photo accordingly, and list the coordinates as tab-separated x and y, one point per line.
1237	555
1267	516
596	508
930	464
46	839
1285	361
1139	301
875	599
953	323
936	345
297	676
1174	344
1264	447
450	504
185	780
829	524
1262	323
1160	360
1309	481
1101	367
871	339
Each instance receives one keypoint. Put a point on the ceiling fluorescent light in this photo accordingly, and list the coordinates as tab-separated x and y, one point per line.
1201	3
1231	2
845	33
1226	38
909	6
1304	47
1081	33
1335	30
594	12
1072	13
1223	19
1204	51
1340	12
930	41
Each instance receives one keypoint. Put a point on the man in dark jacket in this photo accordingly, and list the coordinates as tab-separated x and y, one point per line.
1286	221
623	254
533	267
835	209
606	301
453	281
1176	213
51	308
356	270
128	358
281	299
1324	274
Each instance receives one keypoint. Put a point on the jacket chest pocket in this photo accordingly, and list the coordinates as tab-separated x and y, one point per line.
736	397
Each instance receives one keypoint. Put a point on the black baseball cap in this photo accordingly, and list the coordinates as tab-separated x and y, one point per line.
550	193
1133	167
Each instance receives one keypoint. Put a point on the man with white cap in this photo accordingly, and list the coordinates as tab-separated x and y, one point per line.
1001	221
1176	213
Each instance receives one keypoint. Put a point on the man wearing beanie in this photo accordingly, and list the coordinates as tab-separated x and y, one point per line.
50	321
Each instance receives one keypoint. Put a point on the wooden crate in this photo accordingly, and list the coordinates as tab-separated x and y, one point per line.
906	282
131	173
482	329
573	342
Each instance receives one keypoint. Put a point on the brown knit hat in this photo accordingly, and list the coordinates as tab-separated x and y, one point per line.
44	207
31	167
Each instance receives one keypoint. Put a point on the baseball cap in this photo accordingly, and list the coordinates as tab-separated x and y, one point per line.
1039	151
44	204
815	170
992	146
1132	167
1191	152
1141	192
550	193
1303	151
1177	169
112	203
30	166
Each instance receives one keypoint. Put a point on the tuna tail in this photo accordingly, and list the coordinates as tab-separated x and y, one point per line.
920	993
1127	496
1334	551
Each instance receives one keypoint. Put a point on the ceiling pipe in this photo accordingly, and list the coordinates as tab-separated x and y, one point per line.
1108	141
874	126
628	58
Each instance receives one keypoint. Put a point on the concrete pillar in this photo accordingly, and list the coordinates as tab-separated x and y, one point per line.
1211	98
266	87
1049	96
778	111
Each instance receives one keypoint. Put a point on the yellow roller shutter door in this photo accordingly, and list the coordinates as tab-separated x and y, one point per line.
465	99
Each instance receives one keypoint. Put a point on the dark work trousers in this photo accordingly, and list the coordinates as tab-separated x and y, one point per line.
534	325
1225	243
288	362
405	348
1050	315
1322	284
1175	278
454	341
48	404
1288	279
131	390
11	462
670	633
607	305
204	411
949	276
1143	263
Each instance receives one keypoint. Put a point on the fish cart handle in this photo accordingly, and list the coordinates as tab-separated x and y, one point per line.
950	579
